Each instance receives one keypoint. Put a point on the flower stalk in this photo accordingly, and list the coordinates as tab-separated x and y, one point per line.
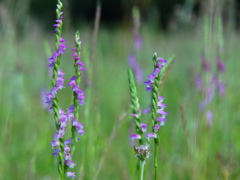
64	149
136	113
157	107
78	95
158	115
56	79
154	114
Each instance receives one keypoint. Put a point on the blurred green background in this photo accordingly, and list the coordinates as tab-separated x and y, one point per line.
188	148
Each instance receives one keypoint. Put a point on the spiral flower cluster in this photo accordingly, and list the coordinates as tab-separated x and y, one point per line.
64	149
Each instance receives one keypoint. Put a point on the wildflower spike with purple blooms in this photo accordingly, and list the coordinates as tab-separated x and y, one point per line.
152	85
157	107
64	149
80	96
57	85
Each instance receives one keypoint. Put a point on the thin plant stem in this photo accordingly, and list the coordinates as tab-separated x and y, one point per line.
75	95
55	100
154	114
156	158
135	104
141	170
136	110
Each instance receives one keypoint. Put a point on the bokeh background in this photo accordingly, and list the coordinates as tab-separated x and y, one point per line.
191	145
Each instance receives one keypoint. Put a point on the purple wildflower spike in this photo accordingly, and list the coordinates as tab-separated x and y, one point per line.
77	90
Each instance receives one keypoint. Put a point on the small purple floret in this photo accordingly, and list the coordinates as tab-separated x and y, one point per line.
71	174
135	136
150	135
143	127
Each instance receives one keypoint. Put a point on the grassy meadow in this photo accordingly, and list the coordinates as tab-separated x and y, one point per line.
188	149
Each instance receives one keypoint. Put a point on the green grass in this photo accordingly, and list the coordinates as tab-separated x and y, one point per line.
27	129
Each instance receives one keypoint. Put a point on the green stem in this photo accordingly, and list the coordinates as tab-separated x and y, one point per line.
75	98
154	114
135	104
61	169
141	169
156	158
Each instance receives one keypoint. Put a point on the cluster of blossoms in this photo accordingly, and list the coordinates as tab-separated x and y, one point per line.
161	119
151	78
59	23
77	90
61	42
55	58
59	85
61	49
77	60
64	149
64	120
73	80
